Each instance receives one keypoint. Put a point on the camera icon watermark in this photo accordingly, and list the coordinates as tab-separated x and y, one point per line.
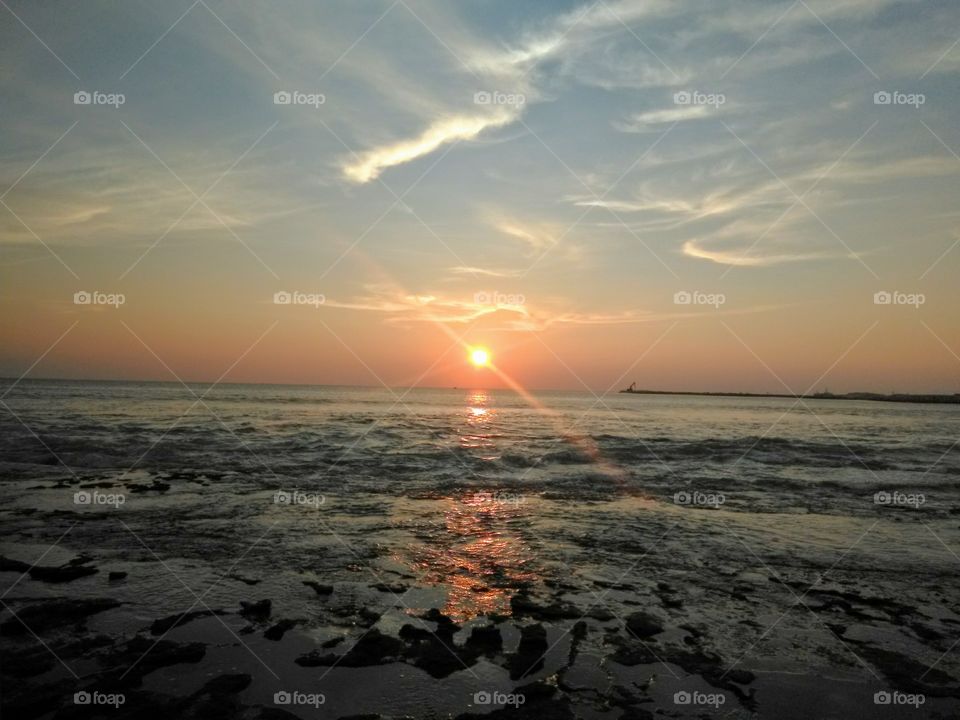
83	97
498	698
98	698
883	697
699	499
685	697
899	499
496	299
495	97
500	497
295	697
695	297
295	97
298	497
95	297
695	97
895	297
295	297
94	498
895	97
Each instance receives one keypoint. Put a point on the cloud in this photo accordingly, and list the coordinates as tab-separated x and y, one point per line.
749	257
370	164
468	270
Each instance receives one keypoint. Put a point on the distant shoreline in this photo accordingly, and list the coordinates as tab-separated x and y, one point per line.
877	397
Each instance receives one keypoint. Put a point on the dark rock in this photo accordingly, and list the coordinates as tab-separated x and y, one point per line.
523	605
577	633
530	652
485	640
259	610
413	633
395	588
373	648
277	631
244	580
8	565
165	625
61	574
643	625
226	685
54	614
332	642
116	575
319	588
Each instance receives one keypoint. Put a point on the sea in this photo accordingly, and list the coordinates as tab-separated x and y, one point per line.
814	544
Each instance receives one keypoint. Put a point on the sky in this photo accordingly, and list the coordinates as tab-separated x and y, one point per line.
739	195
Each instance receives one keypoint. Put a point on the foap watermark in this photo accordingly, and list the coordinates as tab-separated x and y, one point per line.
699	499
695	297
498	698
499	497
295	97
895	97
684	697
695	97
96	697
284	697
95	497
295	297
298	497
495	97
83	97
895	297
883	697
96	297
899	499
494	298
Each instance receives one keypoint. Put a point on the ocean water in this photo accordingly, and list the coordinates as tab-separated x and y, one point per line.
812	544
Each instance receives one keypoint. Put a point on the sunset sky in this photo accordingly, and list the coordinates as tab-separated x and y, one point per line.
538	178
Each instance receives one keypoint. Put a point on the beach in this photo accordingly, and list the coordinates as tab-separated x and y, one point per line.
283	551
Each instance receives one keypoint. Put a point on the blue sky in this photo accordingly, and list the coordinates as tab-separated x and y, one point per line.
582	162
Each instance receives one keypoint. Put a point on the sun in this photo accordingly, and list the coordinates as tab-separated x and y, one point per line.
480	357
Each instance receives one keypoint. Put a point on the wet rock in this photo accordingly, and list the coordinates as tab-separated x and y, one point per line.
446	627
373	648
485	640
414	633
54	614
244	580
908	675
577	633
600	613
143	655
643	624
529	656
523	605
226	685
366	618
61	574
277	631
10	565
319	588
165	625
259	610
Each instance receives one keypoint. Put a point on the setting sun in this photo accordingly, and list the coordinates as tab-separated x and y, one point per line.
480	357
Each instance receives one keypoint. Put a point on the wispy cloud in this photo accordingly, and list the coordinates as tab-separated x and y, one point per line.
370	164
